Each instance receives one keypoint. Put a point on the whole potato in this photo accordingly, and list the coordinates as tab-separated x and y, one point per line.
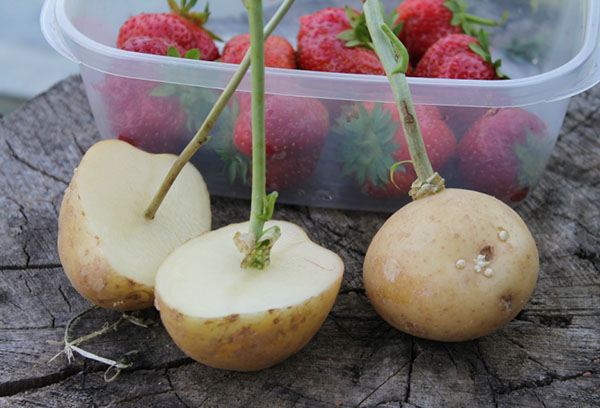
453	266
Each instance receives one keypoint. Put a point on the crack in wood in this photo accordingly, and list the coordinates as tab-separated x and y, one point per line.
174	390
65	298
394	374
29	267
28	384
31	166
270	386
587	255
491	376
413	356
548	380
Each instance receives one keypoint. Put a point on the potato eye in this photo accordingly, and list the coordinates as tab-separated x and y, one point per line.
488	252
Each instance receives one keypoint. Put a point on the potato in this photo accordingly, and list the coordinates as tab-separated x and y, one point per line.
453	266
108	249
240	319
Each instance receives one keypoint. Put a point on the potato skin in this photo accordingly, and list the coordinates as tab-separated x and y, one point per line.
248	342
84	263
411	275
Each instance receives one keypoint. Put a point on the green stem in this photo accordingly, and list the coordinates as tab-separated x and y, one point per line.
257	57
394	58
201	136
486	21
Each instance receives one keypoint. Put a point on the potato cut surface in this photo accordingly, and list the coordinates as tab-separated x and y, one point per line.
203	278
115	184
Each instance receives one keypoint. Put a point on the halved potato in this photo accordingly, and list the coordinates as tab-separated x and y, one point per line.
108	249
241	319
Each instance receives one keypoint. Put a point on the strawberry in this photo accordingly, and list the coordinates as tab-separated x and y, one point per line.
149	45
158	25
181	26
426	21
504	153
152	123
196	21
137	111
372	140
296	130
279	53
321	49
454	56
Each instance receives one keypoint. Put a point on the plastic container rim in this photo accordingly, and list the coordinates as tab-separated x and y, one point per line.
55	24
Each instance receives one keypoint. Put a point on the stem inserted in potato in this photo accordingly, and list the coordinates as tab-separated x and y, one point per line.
394	58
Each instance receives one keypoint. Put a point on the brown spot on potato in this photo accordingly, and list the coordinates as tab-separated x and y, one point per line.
233	317
208	322
275	321
488	252
271	311
505	303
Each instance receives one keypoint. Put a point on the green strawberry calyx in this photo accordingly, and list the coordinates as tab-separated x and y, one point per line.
236	165
194	53
483	50
469	22
367	148
533	155
358	35
184	9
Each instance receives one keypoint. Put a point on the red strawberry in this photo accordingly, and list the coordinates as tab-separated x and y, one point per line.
163	25
149	45
196	21
181	26
504	153
141	112
320	49
461	118
279	53
152	123
283	174
295	132
426	21
373	140
453	57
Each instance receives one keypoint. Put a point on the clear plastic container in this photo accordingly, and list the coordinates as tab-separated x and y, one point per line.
550	50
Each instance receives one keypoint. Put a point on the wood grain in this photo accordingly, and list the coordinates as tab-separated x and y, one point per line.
549	356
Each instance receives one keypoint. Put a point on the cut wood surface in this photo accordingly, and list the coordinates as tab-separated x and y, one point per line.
549	356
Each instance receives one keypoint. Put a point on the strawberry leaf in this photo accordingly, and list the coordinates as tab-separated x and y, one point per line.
172	52
367	146
483	50
468	22
164	91
194	54
358	35
533	156
195	17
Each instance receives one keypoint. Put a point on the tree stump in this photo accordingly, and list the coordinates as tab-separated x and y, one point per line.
549	356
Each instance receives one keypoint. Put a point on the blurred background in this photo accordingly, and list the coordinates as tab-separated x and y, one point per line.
28	65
